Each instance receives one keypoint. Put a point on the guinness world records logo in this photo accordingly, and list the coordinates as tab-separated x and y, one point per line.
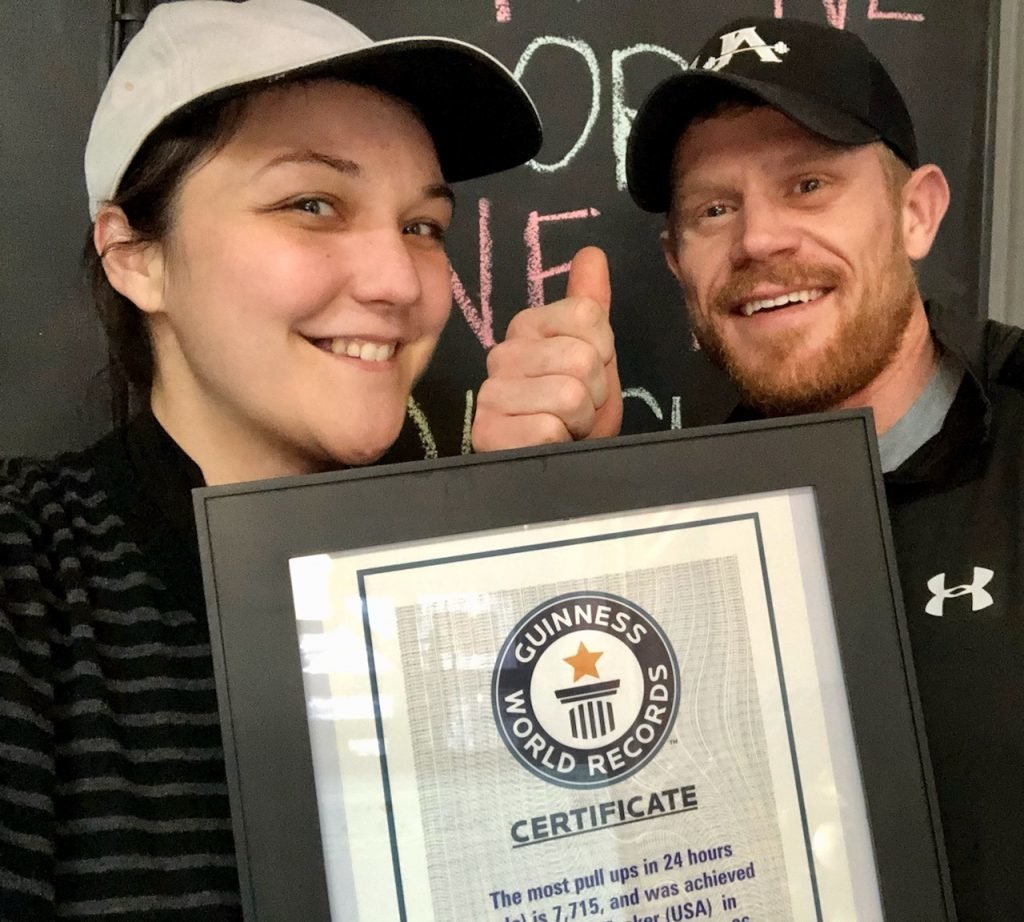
585	690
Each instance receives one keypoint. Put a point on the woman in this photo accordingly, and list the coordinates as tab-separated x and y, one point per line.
269	194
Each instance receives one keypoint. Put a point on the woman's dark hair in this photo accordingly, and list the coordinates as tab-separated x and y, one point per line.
148	195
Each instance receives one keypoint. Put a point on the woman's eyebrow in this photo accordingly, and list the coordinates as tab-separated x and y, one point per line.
340	164
347	168
440	190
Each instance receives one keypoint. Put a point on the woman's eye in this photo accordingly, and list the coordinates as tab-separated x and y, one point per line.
425	229
806	186
314	206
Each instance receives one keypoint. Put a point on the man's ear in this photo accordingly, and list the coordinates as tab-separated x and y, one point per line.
134	268
668	248
925	200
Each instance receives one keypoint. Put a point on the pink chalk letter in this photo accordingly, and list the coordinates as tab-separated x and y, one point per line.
480	320
835	11
535	271
875	13
502	10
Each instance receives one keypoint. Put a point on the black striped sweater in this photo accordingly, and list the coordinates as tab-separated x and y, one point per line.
113	802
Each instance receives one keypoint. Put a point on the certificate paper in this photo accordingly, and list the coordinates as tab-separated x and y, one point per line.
628	718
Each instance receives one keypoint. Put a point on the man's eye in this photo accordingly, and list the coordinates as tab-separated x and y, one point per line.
806	186
314	206
713	211
425	229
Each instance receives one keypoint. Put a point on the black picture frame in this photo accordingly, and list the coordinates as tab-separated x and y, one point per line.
249	532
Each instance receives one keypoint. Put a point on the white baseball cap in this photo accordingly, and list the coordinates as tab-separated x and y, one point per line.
192	52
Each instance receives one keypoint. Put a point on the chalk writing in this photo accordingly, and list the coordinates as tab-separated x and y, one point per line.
428	441
426	434
467	425
535	271
835	12
587	53
641	393
480	320
623	115
502	10
875	13
422	424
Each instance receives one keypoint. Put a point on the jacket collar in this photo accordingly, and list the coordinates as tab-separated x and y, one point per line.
960	447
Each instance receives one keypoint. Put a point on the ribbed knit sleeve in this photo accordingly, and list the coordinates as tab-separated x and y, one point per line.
113	803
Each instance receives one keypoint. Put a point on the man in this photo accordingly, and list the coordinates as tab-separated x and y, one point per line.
787	165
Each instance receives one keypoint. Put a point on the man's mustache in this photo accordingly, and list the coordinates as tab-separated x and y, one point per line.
791	276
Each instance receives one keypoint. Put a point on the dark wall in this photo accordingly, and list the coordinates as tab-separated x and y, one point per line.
511	230
53	63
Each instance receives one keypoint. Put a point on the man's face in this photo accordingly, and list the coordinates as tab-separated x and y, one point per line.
790	254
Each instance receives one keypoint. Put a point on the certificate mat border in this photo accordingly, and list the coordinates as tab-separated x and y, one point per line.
248	533
752	517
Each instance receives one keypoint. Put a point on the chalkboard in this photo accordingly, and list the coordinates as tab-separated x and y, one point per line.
54	58
588	64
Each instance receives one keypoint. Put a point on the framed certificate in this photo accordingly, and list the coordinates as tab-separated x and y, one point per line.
651	679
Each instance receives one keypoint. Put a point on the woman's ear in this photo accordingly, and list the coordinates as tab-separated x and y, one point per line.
134	268
925	200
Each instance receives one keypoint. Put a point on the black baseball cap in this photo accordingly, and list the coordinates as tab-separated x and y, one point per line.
823	78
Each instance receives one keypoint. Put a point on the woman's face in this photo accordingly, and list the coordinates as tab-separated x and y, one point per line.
304	285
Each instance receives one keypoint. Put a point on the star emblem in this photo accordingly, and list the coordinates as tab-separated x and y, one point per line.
584	663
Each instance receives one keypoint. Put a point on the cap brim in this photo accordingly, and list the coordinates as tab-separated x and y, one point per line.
479	117
667	112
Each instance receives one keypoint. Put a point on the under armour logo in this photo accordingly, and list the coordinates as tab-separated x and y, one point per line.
747	39
980	598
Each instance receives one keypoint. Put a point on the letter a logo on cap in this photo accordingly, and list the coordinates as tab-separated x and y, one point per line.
747	39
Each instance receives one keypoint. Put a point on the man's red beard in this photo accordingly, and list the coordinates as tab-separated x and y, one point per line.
864	343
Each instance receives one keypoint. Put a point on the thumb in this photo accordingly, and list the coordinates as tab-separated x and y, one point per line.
588	277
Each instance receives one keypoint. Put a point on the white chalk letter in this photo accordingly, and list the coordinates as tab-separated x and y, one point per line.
587	53
623	115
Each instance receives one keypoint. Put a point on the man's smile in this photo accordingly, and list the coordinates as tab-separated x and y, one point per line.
803	296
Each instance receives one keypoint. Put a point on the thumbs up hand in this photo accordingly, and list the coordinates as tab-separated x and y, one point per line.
554	378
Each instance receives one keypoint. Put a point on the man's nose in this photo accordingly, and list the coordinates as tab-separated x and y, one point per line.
765	230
